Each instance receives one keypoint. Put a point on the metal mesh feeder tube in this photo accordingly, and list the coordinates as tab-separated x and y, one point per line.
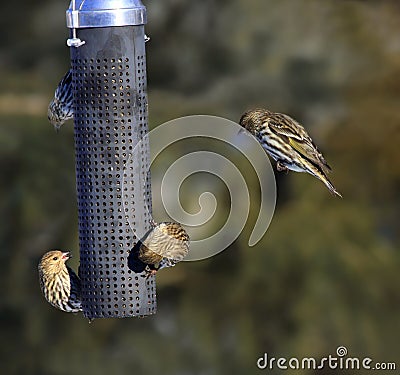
108	64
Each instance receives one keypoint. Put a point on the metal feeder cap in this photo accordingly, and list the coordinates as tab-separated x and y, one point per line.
105	13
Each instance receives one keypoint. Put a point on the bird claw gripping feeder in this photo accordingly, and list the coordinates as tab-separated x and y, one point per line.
113	187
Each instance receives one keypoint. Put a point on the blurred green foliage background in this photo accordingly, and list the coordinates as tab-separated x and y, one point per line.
327	271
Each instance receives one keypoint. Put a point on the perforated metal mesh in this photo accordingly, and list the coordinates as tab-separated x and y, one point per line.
114	197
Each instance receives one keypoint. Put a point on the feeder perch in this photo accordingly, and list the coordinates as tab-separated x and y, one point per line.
108	63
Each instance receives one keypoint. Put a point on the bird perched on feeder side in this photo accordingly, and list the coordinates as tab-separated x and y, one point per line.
60	285
61	107
163	246
287	142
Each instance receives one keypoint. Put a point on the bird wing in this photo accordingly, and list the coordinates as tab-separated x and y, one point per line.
167	244
176	251
286	126
75	280
75	296
64	88
297	137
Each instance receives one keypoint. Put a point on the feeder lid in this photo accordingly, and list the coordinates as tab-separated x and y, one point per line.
105	13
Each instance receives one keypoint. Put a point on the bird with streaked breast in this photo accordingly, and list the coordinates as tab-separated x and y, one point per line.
164	245
288	143
60	285
61	107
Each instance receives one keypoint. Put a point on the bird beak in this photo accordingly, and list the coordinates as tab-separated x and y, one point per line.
66	255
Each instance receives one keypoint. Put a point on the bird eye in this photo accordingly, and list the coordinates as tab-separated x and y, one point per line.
55	258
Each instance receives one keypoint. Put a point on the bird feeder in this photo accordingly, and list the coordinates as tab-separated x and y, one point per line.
108	63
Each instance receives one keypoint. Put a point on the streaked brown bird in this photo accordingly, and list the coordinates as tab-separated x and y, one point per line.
163	246
287	142
61	107
60	285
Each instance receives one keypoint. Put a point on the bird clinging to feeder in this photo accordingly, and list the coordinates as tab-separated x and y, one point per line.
60	285
61	107
163	246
